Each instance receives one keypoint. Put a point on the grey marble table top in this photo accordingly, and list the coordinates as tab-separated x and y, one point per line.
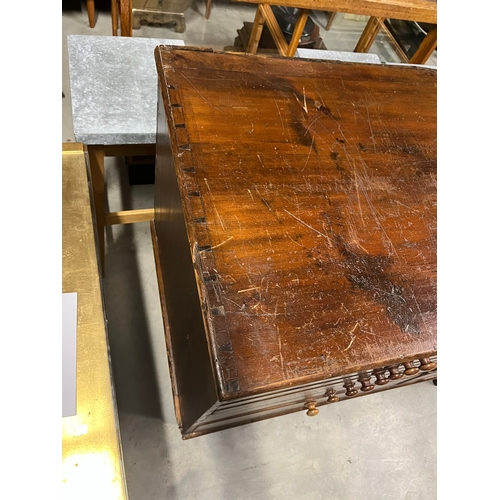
334	55
113	83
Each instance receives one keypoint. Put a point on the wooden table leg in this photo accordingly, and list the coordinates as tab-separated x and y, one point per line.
427	47
258	25
331	16
114	17
126	17
96	154
208	5
368	36
96	164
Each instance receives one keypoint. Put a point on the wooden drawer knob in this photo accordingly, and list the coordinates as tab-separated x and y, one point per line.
312	411
426	364
394	372
380	376
349	389
330	394
410	368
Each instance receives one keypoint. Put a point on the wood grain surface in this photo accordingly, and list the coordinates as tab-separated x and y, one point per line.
125	17
307	195
424	11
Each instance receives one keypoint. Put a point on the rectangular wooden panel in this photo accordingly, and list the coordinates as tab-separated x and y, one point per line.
296	224
189	354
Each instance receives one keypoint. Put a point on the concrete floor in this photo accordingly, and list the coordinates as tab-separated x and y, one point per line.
381	446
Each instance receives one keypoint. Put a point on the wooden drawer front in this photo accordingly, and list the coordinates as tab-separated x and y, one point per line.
251	409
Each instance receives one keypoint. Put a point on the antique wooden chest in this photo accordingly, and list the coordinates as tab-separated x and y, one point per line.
294	232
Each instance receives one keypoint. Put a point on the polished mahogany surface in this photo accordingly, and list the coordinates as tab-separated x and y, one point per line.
304	195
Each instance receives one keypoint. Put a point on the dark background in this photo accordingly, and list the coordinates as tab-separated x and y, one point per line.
79	6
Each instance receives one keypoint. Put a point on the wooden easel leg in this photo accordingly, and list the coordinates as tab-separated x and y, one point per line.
258	25
96	164
427	47
368	36
91	12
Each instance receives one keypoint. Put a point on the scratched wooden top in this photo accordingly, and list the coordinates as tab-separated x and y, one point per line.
309	192
424	11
